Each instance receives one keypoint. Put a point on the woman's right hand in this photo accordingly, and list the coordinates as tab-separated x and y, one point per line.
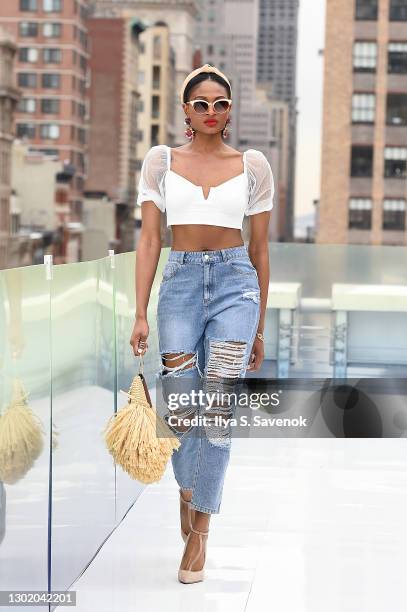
140	335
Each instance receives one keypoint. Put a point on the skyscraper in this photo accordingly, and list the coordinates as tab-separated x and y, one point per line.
276	70
364	138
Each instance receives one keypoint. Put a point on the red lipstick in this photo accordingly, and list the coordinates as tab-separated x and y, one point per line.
211	122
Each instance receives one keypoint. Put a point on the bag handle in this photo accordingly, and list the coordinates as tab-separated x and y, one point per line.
143	380
141	365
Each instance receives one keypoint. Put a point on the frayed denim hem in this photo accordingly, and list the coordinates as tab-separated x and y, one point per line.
203	509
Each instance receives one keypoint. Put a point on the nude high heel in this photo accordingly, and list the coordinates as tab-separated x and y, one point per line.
188	576
187	515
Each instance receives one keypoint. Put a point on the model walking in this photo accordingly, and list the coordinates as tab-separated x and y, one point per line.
213	292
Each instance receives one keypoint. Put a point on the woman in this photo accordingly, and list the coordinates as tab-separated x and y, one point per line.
213	293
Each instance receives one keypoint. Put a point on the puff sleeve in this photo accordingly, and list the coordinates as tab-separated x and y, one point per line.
261	183
151	181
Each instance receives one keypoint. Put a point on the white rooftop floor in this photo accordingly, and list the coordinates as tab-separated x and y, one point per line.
305	525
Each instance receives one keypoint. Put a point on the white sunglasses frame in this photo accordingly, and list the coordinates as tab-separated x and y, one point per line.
210	104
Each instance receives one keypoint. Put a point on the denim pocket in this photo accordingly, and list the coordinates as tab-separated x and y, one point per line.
243	266
170	270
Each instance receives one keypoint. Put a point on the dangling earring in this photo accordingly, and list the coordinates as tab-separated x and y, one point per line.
226	129
189	132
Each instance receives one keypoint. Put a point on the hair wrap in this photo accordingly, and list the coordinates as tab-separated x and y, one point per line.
204	68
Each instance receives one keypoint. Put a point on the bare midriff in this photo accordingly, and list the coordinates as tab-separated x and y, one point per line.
204	237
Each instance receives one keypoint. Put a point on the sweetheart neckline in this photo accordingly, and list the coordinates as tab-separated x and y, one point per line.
210	188
244	173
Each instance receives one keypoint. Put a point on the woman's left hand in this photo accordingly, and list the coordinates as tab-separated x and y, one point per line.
256	355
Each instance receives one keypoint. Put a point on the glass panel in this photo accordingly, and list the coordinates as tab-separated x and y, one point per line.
308	333
128	363
83	475
24	476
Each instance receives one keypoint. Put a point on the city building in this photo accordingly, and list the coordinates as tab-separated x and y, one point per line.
364	138
41	221
9	97
52	72
276	70
156	111
113	133
179	16
230	42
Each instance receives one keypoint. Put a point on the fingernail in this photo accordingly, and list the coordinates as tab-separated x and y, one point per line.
140	350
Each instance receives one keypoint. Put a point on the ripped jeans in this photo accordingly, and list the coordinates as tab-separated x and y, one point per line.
207	317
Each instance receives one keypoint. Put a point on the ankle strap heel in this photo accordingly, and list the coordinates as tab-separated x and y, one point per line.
185	508
188	576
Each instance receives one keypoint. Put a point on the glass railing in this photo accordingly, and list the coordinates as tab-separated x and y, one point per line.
64	333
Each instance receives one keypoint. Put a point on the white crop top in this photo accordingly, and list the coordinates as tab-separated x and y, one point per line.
248	193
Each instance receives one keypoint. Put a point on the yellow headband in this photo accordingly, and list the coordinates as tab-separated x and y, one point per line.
204	68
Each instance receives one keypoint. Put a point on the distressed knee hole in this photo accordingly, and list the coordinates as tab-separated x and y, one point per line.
175	364
225	361
225	358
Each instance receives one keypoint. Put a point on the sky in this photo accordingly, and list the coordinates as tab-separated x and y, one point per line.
309	105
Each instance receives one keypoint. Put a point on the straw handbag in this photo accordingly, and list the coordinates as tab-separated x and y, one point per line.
137	437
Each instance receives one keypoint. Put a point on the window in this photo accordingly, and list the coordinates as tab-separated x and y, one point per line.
396	109
51	56
50	6
28	54
397	57
363	108
27	79
28	5
50	152
360	213
28	28
51	80
361	160
83	63
394	214
50	105
157	50
27	105
155	107
364	56
25	129
366	9
51	30
49	130
156	77
395	159
398	10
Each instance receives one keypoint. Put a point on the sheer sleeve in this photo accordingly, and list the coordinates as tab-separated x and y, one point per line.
151	182
261	183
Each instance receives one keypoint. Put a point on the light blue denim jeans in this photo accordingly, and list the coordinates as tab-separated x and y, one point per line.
208	313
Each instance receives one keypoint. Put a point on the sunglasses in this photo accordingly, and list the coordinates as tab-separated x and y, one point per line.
202	106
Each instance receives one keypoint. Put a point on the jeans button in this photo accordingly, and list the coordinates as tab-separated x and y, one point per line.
206	257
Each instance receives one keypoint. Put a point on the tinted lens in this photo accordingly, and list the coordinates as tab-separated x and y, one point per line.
200	106
221	106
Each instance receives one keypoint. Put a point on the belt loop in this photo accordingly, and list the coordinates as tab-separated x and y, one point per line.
224	255
183	256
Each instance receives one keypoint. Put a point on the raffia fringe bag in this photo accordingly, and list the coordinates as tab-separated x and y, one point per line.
138	439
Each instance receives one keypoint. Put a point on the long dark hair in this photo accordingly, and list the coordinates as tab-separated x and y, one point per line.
203	76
